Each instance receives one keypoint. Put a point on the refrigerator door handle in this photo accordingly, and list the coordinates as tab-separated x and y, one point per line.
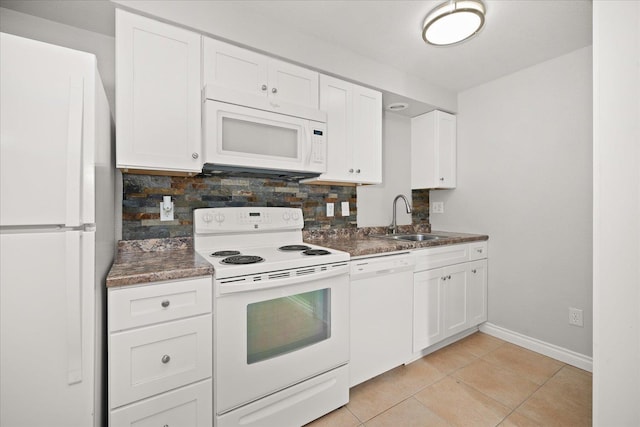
74	150
74	307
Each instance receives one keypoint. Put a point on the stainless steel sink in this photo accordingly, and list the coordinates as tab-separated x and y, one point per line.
409	237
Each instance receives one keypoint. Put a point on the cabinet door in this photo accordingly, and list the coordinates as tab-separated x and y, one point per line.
446	149
433	150
477	292
427	309
148	361
454	298
291	84
354	132
336	98
157	95
367	136
186	406
233	74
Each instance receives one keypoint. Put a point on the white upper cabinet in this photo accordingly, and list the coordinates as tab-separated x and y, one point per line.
433	150
157	95
354	132
243	77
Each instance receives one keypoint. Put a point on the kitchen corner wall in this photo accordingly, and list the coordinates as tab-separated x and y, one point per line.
142	195
525	179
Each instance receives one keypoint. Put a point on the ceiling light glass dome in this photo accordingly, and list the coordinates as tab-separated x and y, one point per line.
453	22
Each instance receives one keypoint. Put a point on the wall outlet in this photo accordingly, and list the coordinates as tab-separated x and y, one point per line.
575	317
330	209
437	207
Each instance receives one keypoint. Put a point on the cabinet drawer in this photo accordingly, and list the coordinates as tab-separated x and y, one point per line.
477	250
187	406
130	307
427	259
151	360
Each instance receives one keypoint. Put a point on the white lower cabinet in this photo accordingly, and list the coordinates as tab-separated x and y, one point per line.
160	354
448	299
186	406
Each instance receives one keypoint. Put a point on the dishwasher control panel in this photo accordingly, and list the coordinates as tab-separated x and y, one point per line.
382	264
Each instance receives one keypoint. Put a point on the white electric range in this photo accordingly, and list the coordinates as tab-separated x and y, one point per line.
281	317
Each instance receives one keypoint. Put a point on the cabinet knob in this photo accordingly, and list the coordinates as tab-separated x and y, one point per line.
166	358
474	271
165	303
479	250
263	87
444	278
350	170
357	170
195	155
441	178
274	90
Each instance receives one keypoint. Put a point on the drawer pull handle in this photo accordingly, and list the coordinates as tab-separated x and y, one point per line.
474	271
444	277
166	358
479	250
165	303
449	277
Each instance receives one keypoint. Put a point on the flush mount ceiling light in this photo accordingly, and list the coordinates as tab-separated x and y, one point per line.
453	21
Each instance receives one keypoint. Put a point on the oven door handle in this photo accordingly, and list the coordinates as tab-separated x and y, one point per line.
266	280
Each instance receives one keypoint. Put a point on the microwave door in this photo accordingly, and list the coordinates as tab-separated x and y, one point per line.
248	138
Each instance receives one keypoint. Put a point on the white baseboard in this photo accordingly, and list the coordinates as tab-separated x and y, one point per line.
562	354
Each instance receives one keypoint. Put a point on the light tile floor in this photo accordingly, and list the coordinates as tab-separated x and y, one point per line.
478	381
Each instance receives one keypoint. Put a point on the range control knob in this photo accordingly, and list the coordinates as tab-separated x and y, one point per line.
286	216
219	217
295	215
207	217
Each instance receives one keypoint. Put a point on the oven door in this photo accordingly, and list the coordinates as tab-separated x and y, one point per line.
268	339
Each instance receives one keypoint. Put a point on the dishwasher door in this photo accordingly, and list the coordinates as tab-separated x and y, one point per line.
381	315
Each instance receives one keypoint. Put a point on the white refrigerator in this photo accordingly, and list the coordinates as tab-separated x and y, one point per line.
57	234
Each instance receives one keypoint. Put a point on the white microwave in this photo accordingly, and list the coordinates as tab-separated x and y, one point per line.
245	139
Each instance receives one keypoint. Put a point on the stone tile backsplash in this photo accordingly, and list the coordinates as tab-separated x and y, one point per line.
142	195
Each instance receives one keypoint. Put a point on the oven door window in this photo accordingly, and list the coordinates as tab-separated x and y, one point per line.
287	324
256	138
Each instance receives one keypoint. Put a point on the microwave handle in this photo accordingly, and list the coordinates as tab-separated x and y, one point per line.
307	130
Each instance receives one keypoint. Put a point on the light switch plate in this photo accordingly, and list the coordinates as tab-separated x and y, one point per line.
345	208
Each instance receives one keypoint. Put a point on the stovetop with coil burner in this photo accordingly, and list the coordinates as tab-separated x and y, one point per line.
243	241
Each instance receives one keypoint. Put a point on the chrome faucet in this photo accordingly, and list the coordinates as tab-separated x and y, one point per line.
394	227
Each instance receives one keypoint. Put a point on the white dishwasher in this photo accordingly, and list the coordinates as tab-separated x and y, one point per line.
381	314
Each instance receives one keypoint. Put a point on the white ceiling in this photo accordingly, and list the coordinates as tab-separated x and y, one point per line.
517	33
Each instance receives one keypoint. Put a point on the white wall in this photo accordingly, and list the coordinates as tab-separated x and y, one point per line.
525	179
35	28
375	201
616	279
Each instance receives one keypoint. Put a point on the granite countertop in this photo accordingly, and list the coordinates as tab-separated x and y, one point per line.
153	260
361	243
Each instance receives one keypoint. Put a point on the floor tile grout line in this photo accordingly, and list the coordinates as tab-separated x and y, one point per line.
508	370
532	393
